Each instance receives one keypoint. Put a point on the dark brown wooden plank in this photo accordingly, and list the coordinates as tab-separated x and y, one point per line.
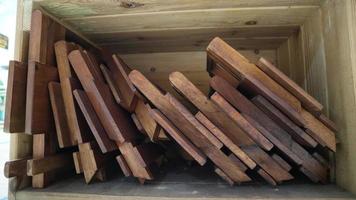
188	129
138	124
78	129
254	79
60	118
131	157
77	163
228	125
15	104
150	126
319	131
110	81
43	145
224	176
44	33
119	71
184	142
296	132
123	165
211	137
257	136
267	163
255	116
270	129
225	140
114	119
327	122
39	118
15	168
281	162
105	144
308	102
50	163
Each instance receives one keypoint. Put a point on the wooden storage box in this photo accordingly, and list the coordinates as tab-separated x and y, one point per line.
312	41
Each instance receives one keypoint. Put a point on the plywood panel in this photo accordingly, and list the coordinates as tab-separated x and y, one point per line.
79	8
338	20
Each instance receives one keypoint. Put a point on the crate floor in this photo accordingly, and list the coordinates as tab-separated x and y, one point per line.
182	182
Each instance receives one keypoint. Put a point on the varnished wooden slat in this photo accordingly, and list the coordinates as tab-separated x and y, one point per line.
109	80
15	104
162	103
259	138
327	122
212	138
296	132
282	162
101	99
138	123
224	176
319	131
60	117
267	163
225	140
77	162
78	129
308	102
43	145
130	156
254	79
148	123
44	33
227	125
15	168
123	165
50	163
121	81
105	144
270	129
184	142
39	118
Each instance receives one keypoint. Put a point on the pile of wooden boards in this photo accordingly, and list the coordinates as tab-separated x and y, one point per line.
88	111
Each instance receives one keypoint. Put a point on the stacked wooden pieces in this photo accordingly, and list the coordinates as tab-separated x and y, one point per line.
61	98
279	109
87	111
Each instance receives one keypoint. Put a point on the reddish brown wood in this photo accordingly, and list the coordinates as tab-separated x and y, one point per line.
224	176
270	129
162	103
78	129
319	131
15	168
225	140
228	125
60	118
184	142
308	102
119	71
39	118
296	132
110	81
123	165
254	79
327	122
212	138
15	104
114	119
105	144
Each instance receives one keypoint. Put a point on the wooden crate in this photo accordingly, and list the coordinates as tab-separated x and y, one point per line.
312	41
